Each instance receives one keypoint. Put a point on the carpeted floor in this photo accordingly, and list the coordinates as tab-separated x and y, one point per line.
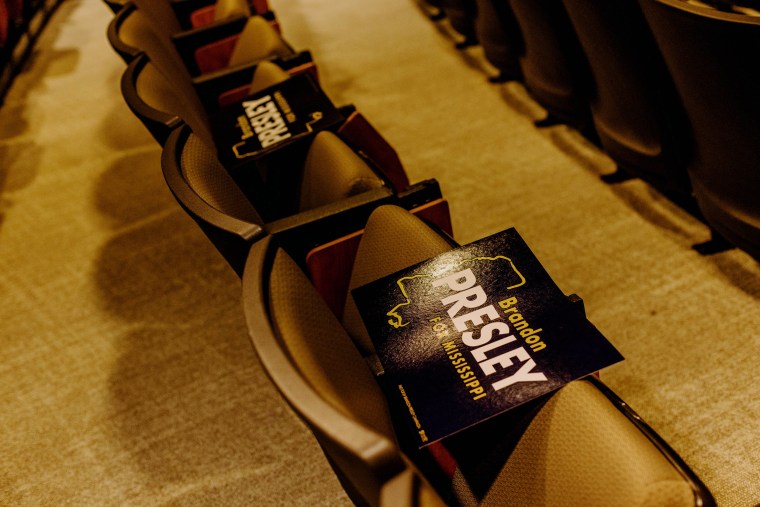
126	376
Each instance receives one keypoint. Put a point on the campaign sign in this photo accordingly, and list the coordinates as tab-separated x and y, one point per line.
271	118
474	332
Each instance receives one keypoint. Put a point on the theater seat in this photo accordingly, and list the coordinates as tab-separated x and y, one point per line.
554	68
161	102
151	27
582	446
316	368
160	105
636	110
710	56
225	212
499	34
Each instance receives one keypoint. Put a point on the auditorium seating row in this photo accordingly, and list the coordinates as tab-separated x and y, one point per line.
665	87
21	22
310	218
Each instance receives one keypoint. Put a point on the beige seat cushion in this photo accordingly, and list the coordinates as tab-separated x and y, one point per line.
333	171
257	41
321	349
267	74
229	8
206	176
581	451
394	239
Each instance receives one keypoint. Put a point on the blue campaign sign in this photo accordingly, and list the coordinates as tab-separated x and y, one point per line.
270	119
474	332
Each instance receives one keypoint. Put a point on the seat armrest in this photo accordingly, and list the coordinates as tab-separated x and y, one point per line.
124	50
159	123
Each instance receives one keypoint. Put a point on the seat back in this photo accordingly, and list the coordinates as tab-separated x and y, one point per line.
499	34
707	52
637	112
553	65
333	171
312	359
258	40
233	218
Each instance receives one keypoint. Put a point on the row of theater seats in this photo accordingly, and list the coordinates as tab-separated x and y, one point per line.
314	218
666	87
21	22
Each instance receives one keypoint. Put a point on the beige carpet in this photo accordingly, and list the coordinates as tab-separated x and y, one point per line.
126	374
125	371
